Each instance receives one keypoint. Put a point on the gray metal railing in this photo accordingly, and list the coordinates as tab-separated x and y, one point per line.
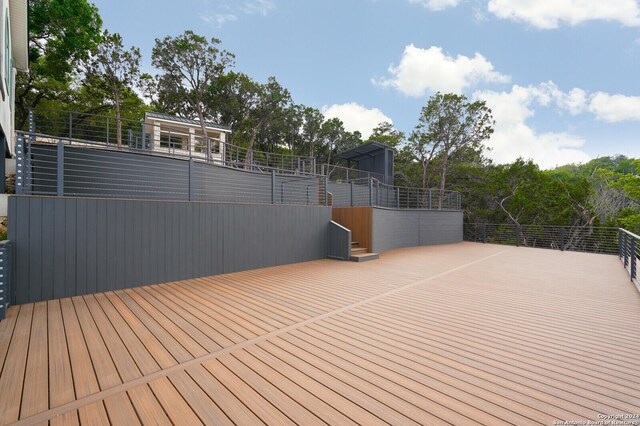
571	238
49	126
629	252
5	277
72	169
372	192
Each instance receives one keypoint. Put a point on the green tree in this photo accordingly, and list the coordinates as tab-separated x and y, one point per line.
189	64
62	33
117	70
449	126
386	134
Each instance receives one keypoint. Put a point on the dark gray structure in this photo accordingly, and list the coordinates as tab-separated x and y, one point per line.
338	242
70	246
392	228
371	157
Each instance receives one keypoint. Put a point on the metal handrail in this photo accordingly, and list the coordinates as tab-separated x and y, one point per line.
629	252
101	129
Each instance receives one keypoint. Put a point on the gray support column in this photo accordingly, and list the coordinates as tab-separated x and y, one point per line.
273	186
60	168
352	195
191	172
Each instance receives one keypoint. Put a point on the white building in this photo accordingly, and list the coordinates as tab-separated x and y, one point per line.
179	135
14	57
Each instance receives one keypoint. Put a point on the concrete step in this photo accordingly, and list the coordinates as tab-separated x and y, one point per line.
364	257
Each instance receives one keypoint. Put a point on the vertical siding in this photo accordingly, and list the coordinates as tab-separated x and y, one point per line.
70	246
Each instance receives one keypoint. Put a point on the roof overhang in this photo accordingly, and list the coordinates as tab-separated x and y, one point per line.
185	124
369	149
19	11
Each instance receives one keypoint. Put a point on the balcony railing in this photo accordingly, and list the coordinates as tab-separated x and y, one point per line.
49	126
629	253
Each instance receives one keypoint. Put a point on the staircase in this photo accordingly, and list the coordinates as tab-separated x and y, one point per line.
361	254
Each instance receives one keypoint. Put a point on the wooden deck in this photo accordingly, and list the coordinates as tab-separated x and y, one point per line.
459	334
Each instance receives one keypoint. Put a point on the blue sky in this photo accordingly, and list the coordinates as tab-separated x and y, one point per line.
562	76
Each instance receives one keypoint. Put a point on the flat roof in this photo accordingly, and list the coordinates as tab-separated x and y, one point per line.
19	10
183	120
367	149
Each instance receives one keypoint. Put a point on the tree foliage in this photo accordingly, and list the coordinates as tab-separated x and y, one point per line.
116	70
62	33
189	64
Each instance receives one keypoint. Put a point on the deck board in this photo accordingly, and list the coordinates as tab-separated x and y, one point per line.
456	334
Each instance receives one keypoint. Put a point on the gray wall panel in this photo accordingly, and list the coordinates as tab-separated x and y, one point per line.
408	228
99	245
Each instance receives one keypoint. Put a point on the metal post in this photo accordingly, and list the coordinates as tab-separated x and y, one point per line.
347	175
397	198
429	199
32	122
108	130
326	190
352	204
562	239
282	193
191	194
484	233
208	148
20	164
273	186
633	258
308	186
60	168
70	126
517	235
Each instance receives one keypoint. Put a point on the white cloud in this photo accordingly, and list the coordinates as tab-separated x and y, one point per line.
261	7
219	19
548	14
436	5
424	70
356	117
514	138
615	108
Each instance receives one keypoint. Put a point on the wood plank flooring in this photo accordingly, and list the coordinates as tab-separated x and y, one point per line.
457	334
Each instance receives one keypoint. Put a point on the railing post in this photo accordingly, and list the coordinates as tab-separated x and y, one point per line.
60	168
32	121
209	148
632	258
191	172
352	195
108	130
273	186
397	198
517	235
326	190
624	250
20	164
562	239
70	126
429	199
484	233
370	192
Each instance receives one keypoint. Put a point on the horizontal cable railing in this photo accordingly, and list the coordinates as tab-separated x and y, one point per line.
371	192
337	173
168	139
629	253
64	169
572	238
